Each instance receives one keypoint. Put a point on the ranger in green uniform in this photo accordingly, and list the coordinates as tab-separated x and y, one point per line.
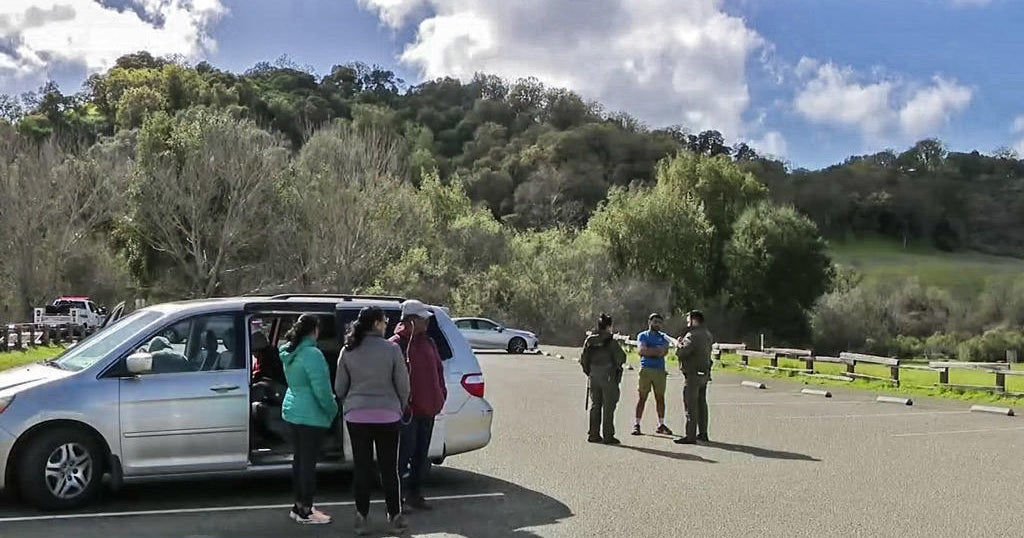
695	362
602	360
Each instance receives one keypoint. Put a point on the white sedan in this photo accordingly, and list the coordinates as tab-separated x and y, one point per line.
483	333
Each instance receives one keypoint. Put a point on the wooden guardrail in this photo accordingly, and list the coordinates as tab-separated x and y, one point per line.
1000	370
21	336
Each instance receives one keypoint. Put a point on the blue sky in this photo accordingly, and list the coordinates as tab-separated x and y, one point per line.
812	81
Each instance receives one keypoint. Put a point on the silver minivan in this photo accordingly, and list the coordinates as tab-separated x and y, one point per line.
168	392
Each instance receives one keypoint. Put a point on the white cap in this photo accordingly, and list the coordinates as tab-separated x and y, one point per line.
412	307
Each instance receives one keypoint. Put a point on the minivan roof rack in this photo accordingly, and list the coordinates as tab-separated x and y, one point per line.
343	297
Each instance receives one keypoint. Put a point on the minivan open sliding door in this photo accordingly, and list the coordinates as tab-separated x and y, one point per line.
281	315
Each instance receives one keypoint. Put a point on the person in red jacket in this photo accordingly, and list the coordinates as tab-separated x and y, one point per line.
426	400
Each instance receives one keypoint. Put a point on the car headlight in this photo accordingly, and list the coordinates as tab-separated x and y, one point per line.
5	403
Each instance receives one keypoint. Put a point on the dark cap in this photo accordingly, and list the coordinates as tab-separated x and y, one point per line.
696	314
655	316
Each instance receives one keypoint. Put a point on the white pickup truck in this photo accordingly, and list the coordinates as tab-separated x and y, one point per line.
78	311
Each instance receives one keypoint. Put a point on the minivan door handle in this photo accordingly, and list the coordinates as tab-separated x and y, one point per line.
224	388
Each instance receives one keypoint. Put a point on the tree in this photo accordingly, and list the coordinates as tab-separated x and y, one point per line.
51	202
660	234
204	203
355	213
723	191
778	268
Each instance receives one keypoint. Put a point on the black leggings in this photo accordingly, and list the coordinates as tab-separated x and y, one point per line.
306	441
364	438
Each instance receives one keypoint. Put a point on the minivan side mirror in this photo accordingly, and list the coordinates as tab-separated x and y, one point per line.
500	329
139	363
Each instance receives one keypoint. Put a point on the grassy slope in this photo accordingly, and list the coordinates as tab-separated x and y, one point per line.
880	259
17	358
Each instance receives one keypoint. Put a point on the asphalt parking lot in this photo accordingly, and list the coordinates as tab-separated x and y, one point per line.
780	464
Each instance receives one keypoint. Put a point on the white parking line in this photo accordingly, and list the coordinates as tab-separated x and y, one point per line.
922	434
877	415
213	509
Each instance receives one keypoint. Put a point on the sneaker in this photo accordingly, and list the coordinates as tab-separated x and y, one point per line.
314	517
612	441
418	503
685	441
663	430
398	524
636	430
360	526
593	439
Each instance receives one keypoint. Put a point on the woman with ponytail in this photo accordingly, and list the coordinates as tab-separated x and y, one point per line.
373	384
309	408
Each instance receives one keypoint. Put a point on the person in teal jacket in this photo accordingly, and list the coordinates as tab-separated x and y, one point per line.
309	407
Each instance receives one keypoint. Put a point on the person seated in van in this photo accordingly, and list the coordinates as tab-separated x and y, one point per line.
266	361
165	359
210	353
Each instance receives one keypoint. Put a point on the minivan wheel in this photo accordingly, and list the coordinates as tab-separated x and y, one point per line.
517	346
61	469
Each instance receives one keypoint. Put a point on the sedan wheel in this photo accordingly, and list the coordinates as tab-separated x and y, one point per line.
517	346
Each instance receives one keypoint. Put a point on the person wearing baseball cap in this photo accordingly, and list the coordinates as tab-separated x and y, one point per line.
426	400
653	347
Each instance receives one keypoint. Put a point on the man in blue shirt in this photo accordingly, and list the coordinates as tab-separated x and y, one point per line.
653	346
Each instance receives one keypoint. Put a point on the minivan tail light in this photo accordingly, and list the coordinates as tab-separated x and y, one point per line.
474	384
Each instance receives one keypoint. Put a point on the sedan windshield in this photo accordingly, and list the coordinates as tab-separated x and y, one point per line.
98	346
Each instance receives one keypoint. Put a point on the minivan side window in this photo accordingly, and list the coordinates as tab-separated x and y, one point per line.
198	344
348	315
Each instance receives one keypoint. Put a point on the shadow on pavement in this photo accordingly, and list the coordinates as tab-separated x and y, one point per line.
513	514
761	452
666	454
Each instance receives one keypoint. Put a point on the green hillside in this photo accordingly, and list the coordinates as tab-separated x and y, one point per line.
879	259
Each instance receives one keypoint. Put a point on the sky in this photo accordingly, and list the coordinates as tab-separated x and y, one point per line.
809	81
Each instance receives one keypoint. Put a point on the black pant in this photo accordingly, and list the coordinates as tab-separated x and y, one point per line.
384	437
695	399
306	441
415	451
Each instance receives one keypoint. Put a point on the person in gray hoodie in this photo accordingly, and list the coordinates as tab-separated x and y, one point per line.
373	384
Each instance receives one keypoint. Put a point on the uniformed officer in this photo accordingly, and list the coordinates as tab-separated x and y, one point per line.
602	360
695	362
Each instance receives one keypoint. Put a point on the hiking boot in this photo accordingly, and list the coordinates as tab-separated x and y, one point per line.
612	441
663	430
636	430
398	524
360	526
685	441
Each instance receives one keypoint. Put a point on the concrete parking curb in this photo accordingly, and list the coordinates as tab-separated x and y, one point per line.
1005	411
895	400
753	384
816	392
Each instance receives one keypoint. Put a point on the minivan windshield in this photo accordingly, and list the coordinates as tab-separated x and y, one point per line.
98	346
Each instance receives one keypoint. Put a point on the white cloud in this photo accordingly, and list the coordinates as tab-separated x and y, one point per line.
880	108
1018	125
835	96
772	144
664	61
931	108
39	35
